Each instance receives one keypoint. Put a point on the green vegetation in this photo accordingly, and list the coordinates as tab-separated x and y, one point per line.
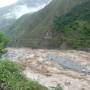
71	28
3	42
74	27
30	29
11	78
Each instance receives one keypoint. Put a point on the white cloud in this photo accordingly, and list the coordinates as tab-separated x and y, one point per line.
21	10
4	3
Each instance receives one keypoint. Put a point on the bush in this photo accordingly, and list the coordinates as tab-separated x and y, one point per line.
3	42
11	78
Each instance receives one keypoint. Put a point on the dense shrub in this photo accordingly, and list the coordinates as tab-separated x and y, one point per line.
11	78
3	42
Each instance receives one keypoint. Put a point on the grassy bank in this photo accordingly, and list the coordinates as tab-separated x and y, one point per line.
11	78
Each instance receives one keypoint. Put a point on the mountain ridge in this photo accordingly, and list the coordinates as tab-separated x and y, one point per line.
31	30
18	9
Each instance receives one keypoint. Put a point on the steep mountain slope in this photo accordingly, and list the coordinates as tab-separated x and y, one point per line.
73	29
35	30
9	13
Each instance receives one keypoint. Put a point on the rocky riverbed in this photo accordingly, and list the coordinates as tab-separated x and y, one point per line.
68	68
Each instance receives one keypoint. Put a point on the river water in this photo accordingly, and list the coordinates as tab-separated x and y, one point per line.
66	63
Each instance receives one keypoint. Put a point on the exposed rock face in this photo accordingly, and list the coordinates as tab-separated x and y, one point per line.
50	73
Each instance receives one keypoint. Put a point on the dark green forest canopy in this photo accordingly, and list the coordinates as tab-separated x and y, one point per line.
4	40
75	26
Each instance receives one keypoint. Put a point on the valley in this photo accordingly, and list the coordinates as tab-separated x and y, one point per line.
45	45
38	67
66	24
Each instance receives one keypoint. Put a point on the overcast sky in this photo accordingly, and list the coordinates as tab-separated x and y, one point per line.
17	8
4	3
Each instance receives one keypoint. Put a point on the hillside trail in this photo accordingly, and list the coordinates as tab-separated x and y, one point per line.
67	68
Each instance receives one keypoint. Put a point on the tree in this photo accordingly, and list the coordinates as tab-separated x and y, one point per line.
3	42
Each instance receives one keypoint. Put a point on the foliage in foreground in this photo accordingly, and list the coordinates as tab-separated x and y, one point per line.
3	42
11	78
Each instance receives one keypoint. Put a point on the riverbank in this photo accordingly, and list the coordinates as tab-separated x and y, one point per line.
50	73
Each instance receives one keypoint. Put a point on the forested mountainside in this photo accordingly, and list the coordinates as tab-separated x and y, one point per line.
73	29
61	24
